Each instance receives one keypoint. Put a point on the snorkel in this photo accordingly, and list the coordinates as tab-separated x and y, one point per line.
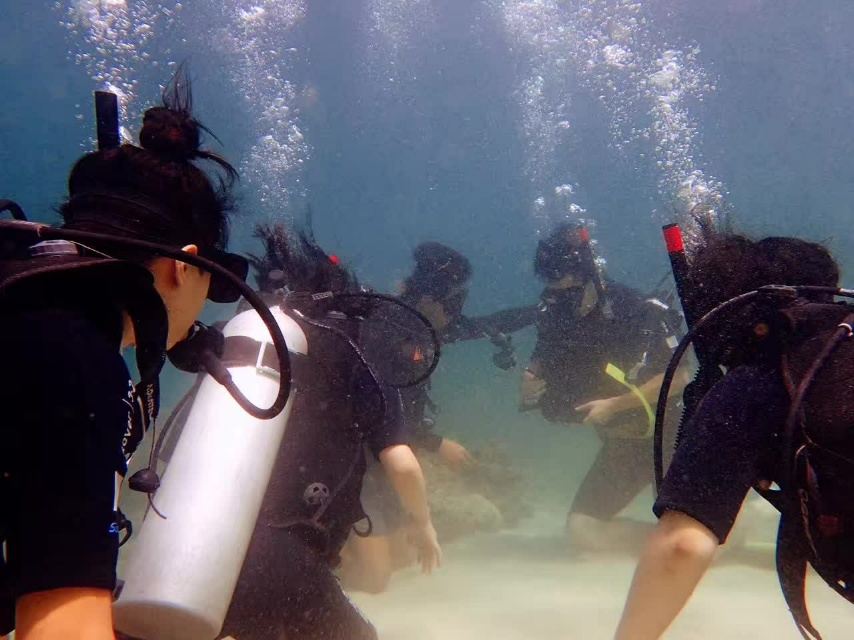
707	374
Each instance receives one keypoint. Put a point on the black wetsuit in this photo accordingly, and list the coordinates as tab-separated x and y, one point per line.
416	399
287	587
571	354
69	418
731	442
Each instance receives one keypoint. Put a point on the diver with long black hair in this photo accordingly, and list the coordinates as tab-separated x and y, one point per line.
780	414
72	416
287	586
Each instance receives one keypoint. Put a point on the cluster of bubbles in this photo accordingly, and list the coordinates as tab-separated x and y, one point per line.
559	204
391	28
541	34
110	39
613	52
256	37
608	47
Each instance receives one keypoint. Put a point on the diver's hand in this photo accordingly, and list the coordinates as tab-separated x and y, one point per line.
599	412
427	542
531	389
434	312
454	455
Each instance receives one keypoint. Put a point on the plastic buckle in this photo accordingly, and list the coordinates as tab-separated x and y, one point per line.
260	367
54	248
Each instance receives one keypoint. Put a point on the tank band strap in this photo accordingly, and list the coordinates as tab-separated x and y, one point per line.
242	351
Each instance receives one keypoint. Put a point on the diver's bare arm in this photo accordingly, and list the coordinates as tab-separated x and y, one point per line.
407	479
675	558
650	390
74	613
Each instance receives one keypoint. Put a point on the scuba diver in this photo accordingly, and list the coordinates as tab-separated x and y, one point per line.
780	414
72	415
599	357
437	288
287	587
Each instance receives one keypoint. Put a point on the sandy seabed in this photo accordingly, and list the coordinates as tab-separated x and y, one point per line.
523	584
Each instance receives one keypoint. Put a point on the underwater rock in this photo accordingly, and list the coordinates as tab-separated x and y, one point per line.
489	496
458	516
497	479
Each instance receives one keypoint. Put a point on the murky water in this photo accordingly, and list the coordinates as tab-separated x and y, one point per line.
482	124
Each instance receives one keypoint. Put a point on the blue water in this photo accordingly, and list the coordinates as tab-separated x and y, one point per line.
438	153
412	120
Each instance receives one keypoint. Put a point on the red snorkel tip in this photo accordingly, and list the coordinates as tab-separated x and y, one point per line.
334	259
673	238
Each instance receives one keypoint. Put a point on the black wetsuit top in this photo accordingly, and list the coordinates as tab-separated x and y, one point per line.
416	399
68	407
730	443
571	354
572	351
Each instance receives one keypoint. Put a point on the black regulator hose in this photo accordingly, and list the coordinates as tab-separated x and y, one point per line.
434	339
46	232
292	296
338	332
14	208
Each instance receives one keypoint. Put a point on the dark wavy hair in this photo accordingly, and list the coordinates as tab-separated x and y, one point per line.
158	190
729	264
438	268
293	258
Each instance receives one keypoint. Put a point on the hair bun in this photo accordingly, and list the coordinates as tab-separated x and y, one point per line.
170	133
